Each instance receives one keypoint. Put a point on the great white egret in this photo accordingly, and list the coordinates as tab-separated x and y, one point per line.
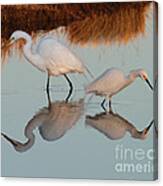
114	80
53	122
115	126
50	56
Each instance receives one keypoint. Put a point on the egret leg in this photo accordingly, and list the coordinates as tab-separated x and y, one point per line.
49	99
71	87
47	91
110	104
102	104
47	84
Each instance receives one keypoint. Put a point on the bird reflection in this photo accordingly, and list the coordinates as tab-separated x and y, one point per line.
52	122
115	126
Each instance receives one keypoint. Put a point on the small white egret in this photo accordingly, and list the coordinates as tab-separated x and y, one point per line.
114	80
50	56
115	126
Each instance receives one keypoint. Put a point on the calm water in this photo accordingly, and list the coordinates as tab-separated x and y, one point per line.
65	145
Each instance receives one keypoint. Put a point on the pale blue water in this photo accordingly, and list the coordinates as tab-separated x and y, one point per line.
82	151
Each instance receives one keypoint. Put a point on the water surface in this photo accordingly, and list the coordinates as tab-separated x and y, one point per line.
69	147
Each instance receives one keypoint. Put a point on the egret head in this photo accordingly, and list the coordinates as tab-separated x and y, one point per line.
20	147
141	134
18	35
143	75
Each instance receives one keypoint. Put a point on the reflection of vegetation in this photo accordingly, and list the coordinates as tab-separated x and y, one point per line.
53	122
115	126
84	22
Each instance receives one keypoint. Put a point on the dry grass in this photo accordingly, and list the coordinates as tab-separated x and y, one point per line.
121	25
93	23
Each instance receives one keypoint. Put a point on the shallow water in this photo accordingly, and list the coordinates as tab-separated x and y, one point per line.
66	146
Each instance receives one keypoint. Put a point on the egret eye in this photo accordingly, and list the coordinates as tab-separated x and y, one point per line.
12	38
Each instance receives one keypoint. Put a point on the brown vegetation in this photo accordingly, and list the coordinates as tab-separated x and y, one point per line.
84	23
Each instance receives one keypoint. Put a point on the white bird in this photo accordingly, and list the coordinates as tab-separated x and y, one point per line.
114	80
49	56
52	122
115	126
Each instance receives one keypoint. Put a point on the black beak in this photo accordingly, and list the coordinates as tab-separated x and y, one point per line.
9	139
148	82
149	126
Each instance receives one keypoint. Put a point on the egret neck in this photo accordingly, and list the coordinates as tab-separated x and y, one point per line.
32	57
132	76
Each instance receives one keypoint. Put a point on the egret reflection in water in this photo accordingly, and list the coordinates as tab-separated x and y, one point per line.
115	126
52	122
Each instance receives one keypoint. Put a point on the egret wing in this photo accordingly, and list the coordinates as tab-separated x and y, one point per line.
108	124
57	55
110	81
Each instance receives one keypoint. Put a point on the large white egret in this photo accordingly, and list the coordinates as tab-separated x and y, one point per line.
53	122
114	80
50	56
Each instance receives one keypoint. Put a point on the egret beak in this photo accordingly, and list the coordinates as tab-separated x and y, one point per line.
9	42
13	142
149	126
149	84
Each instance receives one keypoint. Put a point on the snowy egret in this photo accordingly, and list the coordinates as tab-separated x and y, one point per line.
114	80
53	122
115	126
50	56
